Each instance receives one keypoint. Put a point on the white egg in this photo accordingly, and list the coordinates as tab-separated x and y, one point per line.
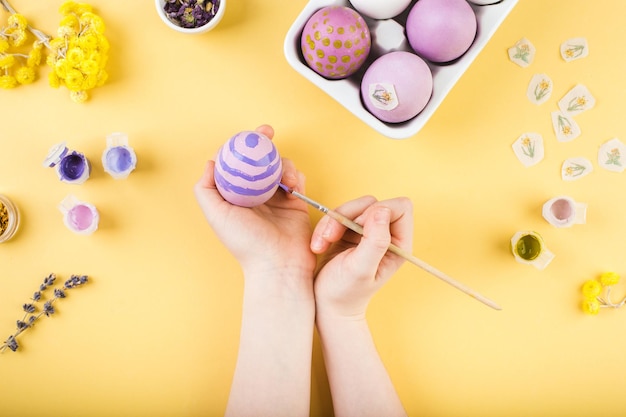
380	9
484	2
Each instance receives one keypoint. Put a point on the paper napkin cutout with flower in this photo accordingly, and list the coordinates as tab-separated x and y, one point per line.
522	53
611	155
529	148
576	168
565	127
578	100
574	48
539	89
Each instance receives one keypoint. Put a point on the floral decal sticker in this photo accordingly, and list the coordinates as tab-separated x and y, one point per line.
539	89
383	96
522	53
611	155
576	168
573	49
529	148
565	127
577	100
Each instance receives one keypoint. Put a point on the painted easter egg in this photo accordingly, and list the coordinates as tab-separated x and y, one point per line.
377	9
441	30
248	169
397	86
335	42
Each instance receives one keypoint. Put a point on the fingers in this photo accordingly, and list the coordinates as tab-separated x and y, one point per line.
267	130
375	242
327	231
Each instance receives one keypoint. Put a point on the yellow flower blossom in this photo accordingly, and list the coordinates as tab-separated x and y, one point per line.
74	80
609	278
7	82
591	289
70	21
66	31
17	21
79	96
34	56
74	56
18	38
4	45
70	7
25	75
591	307
53	80
7	61
89	67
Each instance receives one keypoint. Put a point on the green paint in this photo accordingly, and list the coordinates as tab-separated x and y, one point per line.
528	247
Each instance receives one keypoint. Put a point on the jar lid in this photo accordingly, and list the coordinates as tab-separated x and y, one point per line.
55	154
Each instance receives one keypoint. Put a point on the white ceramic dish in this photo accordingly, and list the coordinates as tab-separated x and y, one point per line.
160	4
387	36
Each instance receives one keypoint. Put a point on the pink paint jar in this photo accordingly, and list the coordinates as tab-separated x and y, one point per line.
78	216
563	211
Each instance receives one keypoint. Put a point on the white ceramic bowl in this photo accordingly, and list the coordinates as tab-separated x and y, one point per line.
388	35
160	4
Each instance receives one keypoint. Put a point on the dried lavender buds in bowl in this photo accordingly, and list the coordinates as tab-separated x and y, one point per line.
191	16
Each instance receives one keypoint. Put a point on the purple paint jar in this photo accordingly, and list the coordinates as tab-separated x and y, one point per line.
71	166
78	216
118	159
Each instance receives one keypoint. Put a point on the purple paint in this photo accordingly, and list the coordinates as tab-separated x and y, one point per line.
72	166
118	159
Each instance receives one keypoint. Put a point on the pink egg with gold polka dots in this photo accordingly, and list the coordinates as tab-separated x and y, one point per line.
335	42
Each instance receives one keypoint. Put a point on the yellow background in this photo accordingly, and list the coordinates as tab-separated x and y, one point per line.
155	332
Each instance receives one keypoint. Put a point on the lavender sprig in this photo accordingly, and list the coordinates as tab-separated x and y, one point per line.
31	311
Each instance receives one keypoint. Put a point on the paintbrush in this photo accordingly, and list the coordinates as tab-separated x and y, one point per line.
357	228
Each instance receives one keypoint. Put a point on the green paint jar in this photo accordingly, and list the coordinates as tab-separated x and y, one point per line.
528	247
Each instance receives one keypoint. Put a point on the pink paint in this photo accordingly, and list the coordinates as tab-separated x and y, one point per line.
78	216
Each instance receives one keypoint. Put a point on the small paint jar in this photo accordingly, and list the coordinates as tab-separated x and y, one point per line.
78	216
71	166
118	159
562	211
9	218
529	248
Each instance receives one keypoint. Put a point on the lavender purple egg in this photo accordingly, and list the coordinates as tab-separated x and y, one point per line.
248	169
441	30
397	86
335	42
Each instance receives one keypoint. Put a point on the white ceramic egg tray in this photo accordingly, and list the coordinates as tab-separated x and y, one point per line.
387	36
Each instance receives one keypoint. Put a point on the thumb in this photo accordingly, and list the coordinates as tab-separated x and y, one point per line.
375	242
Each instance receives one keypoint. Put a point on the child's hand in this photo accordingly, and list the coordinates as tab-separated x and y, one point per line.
355	267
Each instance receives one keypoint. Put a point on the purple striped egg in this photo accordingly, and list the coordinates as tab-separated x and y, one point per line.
248	169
